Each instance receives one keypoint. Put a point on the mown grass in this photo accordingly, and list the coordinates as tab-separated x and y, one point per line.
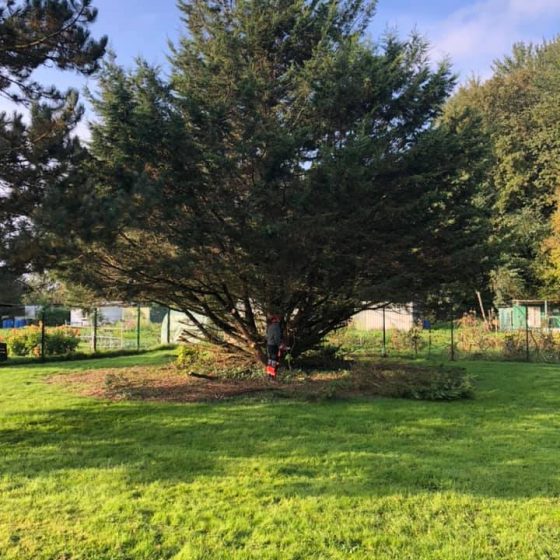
86	479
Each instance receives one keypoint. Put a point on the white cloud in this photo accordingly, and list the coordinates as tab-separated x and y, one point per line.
485	30
534	8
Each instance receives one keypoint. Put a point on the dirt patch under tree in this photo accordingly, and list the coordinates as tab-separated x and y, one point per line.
170	384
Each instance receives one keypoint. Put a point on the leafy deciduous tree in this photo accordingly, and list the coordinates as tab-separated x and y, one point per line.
519	107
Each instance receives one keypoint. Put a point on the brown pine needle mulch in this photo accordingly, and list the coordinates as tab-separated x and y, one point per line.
169	384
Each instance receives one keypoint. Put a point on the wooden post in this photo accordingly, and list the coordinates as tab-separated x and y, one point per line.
384	349
482	309
43	335
528	356
430	340
452	340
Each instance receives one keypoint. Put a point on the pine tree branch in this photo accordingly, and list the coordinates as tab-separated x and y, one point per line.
47	38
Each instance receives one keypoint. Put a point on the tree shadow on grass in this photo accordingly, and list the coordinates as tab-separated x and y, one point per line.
360	448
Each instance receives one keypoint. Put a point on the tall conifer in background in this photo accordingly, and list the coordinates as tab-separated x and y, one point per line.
37	151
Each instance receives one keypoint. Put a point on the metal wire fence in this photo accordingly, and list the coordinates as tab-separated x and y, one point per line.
405	331
35	332
528	331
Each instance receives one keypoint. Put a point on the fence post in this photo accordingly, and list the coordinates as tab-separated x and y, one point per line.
43	340
384	349
430	340
452	339
94	334
138	328
528	354
169	325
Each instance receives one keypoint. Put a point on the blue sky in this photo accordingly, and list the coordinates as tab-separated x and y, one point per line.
472	33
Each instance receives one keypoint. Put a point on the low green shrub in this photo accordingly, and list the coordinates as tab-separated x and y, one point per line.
352	341
332	390
546	345
407	341
412	382
474	338
213	361
325	357
27	341
514	346
189	355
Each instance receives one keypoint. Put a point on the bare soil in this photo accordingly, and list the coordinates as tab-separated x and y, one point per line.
365	379
169	384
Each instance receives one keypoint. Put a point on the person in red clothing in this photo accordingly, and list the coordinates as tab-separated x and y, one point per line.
273	342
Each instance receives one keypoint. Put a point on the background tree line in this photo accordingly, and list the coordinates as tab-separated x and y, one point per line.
519	107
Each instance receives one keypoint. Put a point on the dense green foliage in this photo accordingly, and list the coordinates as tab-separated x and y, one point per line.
384	479
38	154
413	382
28	341
38	32
206	360
470	342
519	107
290	167
337	377
12	287
47	290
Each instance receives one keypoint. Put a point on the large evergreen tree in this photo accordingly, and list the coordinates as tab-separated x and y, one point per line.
290	167
37	152
12	288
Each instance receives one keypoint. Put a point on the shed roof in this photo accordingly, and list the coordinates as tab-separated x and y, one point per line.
534	301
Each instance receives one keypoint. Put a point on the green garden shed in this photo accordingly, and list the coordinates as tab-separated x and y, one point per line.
536	314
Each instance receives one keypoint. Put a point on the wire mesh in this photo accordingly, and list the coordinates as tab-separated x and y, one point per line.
526	331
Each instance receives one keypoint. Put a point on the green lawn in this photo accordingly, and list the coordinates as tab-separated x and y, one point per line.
376	479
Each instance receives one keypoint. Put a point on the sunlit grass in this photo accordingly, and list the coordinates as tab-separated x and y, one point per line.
85	479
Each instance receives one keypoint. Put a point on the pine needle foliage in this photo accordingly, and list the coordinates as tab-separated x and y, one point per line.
37	151
289	166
